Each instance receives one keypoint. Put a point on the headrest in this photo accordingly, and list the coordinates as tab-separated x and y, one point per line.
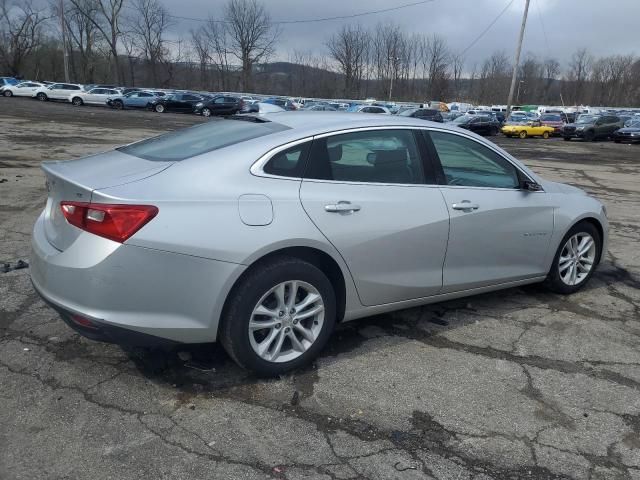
335	153
386	157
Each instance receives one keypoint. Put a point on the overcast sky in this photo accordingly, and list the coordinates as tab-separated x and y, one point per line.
604	27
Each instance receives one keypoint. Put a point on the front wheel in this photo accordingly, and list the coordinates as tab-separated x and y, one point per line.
279	317
494	132
42	97
77	101
206	112
159	108
567	139
575	260
522	134
7	93
589	136
545	134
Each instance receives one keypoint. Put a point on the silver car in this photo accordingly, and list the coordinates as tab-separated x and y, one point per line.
265	232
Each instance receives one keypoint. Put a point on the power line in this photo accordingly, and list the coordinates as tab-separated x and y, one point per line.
315	20
544	30
487	29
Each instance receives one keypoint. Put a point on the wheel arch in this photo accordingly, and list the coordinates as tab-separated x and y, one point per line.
320	258
598	226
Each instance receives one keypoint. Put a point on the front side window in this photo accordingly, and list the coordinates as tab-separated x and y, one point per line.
376	156
289	162
468	163
219	100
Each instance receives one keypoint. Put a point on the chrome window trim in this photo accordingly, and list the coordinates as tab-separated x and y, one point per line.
257	168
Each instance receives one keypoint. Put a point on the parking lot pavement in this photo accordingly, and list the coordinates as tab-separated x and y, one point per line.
514	384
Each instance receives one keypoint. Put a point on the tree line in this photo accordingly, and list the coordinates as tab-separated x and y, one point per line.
127	42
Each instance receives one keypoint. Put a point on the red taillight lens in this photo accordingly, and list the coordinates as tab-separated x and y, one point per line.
115	222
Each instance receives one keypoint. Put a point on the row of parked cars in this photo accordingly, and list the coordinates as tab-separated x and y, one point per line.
619	126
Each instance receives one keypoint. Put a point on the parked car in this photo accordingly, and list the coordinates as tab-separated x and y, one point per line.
56	91
320	108
177	102
8	81
369	109
629	133
480	124
95	96
527	129
553	120
219	105
282	103
22	89
592	127
423	114
261	108
135	99
273	231
451	116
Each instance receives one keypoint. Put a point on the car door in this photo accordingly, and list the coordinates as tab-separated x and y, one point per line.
57	91
94	95
374	199
132	99
218	105
499	232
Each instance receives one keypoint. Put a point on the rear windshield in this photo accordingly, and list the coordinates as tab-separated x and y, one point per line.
200	139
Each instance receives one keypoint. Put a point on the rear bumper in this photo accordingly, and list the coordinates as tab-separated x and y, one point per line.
129	291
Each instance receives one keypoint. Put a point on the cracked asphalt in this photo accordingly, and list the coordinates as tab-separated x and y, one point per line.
518	384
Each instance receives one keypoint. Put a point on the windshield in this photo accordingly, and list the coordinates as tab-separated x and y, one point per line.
551	118
586	119
408	113
200	139
462	120
634	122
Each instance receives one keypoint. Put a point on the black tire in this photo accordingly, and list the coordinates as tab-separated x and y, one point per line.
159	108
117	104
589	136
616	140
553	281
567	139
494	132
7	93
522	134
77	101
545	135
42	97
206	112
233	332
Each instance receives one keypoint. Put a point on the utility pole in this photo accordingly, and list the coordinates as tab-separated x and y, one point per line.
65	56
516	62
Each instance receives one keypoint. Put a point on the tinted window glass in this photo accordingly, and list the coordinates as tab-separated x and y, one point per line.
378	156
290	162
200	139
144	94
219	100
468	163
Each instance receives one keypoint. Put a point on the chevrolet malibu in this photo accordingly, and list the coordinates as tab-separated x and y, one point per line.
264	232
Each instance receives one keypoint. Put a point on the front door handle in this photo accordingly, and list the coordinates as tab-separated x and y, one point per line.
465	205
342	207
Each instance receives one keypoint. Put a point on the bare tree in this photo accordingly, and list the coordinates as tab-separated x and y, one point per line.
252	35
579	71
105	16
20	32
437	58
457	66
348	47
82	39
148	26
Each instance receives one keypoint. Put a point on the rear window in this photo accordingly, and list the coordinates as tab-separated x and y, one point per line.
200	139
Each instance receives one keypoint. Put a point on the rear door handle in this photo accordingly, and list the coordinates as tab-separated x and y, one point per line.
342	207
465	205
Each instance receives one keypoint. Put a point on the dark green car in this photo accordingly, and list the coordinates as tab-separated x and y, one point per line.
592	127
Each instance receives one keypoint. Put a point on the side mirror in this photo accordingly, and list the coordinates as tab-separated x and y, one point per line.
531	186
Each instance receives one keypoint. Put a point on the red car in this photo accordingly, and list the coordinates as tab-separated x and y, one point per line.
552	120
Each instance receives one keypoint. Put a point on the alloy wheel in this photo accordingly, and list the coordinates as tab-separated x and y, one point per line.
577	258
206	112
286	321
159	108
7	93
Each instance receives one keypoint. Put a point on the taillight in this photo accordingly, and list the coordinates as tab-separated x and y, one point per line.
115	222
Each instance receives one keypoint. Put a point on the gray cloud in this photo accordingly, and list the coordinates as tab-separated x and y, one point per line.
602	27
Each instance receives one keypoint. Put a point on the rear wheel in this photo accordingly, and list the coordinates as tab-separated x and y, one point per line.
279	317
77	101
206	112
576	259
545	134
42	97
159	108
522	134
7	93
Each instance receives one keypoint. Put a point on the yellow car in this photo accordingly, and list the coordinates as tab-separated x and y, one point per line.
530	129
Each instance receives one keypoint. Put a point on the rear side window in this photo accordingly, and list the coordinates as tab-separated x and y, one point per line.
466	162
200	139
289	162
376	156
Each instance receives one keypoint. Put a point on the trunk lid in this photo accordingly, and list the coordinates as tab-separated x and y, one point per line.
75	180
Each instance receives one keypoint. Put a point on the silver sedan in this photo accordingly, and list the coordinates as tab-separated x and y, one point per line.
264	232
